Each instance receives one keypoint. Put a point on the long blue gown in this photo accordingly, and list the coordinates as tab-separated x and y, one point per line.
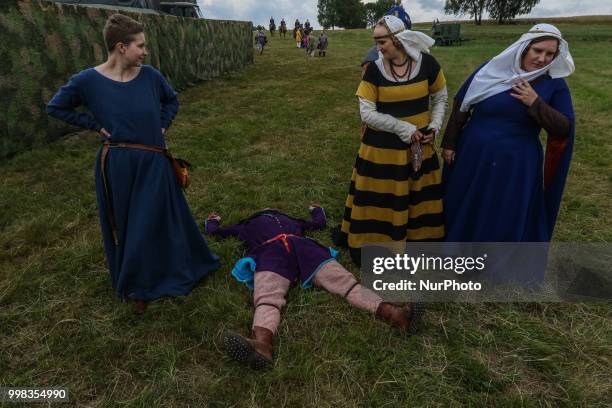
160	250
500	188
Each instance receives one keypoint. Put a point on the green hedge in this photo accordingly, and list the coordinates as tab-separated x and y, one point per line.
43	43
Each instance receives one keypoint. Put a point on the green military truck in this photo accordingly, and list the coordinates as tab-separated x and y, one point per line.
447	33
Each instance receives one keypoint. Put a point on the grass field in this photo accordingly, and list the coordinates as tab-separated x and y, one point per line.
282	133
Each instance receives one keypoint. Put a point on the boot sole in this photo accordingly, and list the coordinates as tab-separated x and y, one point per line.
241	350
417	310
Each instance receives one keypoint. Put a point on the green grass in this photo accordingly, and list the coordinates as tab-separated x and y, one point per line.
282	133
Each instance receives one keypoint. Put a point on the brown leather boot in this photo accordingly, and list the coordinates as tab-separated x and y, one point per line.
408	318
255	351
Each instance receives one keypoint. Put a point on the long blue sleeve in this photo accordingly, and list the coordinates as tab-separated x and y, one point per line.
62	106
169	103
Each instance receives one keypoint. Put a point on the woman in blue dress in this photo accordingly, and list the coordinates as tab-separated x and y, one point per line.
153	245
499	186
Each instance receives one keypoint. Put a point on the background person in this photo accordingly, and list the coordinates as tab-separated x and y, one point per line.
272	26
305	41
153	245
260	40
312	44
298	38
322	44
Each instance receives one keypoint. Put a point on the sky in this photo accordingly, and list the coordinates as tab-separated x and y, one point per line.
260	11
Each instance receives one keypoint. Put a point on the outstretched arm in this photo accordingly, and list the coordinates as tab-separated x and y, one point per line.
212	226
318	219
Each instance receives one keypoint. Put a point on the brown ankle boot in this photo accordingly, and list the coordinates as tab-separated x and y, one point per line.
255	351
408	317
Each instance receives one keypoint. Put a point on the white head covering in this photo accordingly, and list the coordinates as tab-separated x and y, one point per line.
413	41
502	71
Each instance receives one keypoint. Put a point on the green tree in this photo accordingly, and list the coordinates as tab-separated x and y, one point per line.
371	14
350	13
461	7
505	10
327	13
374	11
500	10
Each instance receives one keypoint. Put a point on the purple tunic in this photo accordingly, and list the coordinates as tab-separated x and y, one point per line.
276	243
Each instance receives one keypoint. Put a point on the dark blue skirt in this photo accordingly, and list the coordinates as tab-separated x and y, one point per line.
160	250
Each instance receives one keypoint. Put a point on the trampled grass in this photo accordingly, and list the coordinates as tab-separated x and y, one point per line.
283	133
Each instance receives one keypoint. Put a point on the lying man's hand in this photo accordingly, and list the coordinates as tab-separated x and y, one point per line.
313	206
214	216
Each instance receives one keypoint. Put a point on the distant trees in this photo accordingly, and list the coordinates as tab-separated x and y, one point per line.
351	13
355	14
327	14
472	7
500	10
374	11
504	10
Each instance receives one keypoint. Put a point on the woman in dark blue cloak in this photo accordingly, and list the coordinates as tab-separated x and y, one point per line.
499	185
153	245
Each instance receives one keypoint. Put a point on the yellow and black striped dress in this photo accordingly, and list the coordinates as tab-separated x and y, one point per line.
387	200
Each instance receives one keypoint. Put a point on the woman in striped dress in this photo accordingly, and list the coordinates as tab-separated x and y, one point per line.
391	196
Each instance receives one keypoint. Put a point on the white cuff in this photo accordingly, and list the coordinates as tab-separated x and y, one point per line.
385	122
439	103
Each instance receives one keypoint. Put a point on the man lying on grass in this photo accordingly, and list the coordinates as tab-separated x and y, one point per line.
279	255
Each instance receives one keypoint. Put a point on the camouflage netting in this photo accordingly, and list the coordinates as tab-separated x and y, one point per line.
43	43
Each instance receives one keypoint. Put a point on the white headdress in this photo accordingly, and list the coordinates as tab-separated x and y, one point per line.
502	71
414	42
